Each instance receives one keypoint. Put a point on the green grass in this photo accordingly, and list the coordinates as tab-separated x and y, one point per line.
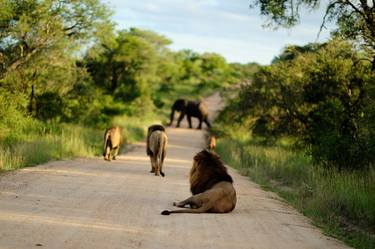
25	141
135	128
341	203
40	146
35	142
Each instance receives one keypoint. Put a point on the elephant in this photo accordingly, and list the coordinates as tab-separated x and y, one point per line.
189	108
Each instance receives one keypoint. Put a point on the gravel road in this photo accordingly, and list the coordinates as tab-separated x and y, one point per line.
91	203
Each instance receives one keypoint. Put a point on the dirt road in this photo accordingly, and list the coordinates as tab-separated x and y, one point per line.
97	204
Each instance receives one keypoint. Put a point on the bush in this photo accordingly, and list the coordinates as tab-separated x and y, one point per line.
341	202
323	97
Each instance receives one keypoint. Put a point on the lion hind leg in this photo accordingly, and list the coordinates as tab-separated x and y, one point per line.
115	152
193	201
153	167
157	165
107	154
154	163
162	156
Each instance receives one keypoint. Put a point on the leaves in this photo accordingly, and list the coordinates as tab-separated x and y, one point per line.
355	19
319	95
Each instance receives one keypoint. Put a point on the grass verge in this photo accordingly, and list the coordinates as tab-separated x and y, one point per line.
38	142
341	203
45	143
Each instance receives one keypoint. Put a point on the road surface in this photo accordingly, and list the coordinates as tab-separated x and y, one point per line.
91	203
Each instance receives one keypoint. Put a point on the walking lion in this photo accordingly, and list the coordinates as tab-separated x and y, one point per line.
112	141
211	145
157	141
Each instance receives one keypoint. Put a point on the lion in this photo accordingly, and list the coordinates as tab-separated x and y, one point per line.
211	186
211	143
157	148
112	141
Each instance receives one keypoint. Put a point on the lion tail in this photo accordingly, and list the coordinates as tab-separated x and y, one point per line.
200	210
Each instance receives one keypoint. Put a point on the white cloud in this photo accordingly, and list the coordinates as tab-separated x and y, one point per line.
232	50
229	28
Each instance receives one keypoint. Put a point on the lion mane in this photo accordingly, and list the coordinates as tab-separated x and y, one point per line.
151	129
156	148
207	170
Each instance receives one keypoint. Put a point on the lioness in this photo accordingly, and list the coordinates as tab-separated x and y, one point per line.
211	143
211	186
156	148
112	141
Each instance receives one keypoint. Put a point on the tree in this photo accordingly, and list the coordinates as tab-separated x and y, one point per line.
355	19
31	28
131	66
322	97
39	42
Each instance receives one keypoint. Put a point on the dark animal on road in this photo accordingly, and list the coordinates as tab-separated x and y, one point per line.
195	109
156	148
211	186
112	141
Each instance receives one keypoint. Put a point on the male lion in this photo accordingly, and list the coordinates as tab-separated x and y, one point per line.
211	186
156	148
112	141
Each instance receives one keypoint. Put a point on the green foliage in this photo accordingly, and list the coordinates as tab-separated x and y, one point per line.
283	13
320	94
341	202
129	68
33	29
39	143
355	19
48	106
63	66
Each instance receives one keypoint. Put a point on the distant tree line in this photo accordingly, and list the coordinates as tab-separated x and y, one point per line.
63	61
320	94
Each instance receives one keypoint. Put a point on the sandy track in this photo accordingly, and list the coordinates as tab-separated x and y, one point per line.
97	204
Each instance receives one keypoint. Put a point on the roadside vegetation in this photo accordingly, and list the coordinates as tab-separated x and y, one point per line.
66	75
304	125
340	202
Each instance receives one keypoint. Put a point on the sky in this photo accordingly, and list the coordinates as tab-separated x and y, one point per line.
227	27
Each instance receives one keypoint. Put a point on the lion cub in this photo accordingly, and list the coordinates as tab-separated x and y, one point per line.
211	143
211	186
112	141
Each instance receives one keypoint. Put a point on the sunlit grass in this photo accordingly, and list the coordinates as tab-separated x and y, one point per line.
342	203
62	142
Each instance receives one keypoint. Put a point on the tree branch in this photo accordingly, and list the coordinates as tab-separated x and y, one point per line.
71	27
22	60
329	7
355	8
